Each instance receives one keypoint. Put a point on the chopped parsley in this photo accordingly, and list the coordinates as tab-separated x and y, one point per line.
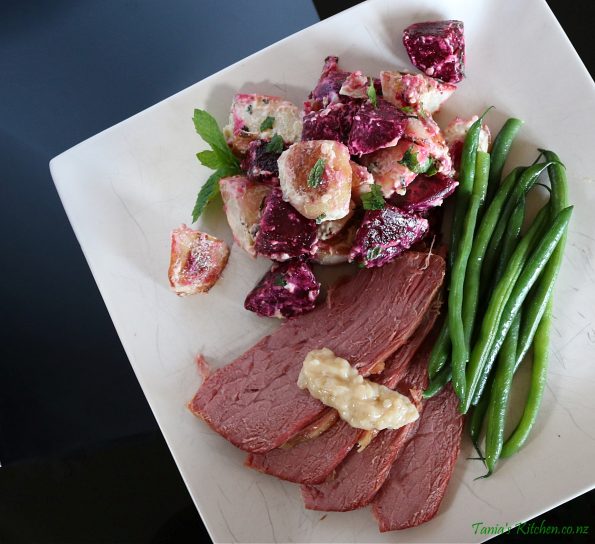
371	92
280	281
218	158
267	123
315	175
275	145
320	218
374	200
249	109
432	170
408	110
373	253
411	161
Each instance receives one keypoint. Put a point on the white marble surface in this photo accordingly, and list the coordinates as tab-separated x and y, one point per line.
126	188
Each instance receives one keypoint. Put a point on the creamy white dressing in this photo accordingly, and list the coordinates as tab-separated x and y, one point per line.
360	402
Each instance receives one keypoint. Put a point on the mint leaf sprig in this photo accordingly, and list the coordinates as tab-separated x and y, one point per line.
218	158
371	92
410	160
316	174
374	199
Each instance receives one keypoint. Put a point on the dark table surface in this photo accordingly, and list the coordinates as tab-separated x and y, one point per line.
77	438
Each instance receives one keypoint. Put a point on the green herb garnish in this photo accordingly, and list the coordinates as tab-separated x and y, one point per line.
218	158
408	110
371	92
275	145
267	123
315	175
280	281
320	218
373	253
411	161
374	200
249	109
433	169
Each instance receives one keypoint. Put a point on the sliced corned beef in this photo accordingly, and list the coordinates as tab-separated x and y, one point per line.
361	475
312	461
418	480
255	402
398	368
308	462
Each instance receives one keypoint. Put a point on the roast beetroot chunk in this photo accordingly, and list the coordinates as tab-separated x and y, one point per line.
361	475
327	89
331	123
313	461
418	479
260	164
284	233
385	234
288	289
425	192
376	127
437	48
255	402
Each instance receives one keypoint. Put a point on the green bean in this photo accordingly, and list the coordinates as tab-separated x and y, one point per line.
527	179
524	284
518	288
510	241
480	244
500	149
460	344
465	188
538	380
543	290
496	305
499	396
440	351
508	247
476	422
438	382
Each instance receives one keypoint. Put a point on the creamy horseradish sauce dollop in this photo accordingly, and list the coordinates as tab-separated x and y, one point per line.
360	402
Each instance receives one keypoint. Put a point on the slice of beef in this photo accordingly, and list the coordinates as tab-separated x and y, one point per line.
312	461
398	369
309	462
361	474
255	402
418	480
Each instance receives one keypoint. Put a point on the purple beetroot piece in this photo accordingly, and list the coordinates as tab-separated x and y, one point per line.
425	192
385	234
283	232
376	127
288	289
327	89
260	164
331	123
437	48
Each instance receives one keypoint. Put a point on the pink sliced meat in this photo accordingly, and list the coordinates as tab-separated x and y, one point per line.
255	402
312	461
418	480
309	462
362	474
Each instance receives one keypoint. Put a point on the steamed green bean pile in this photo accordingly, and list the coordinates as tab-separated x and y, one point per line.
500	286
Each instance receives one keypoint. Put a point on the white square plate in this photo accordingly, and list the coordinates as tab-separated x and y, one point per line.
126	188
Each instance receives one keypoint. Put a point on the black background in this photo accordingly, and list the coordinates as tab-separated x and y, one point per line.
83	459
